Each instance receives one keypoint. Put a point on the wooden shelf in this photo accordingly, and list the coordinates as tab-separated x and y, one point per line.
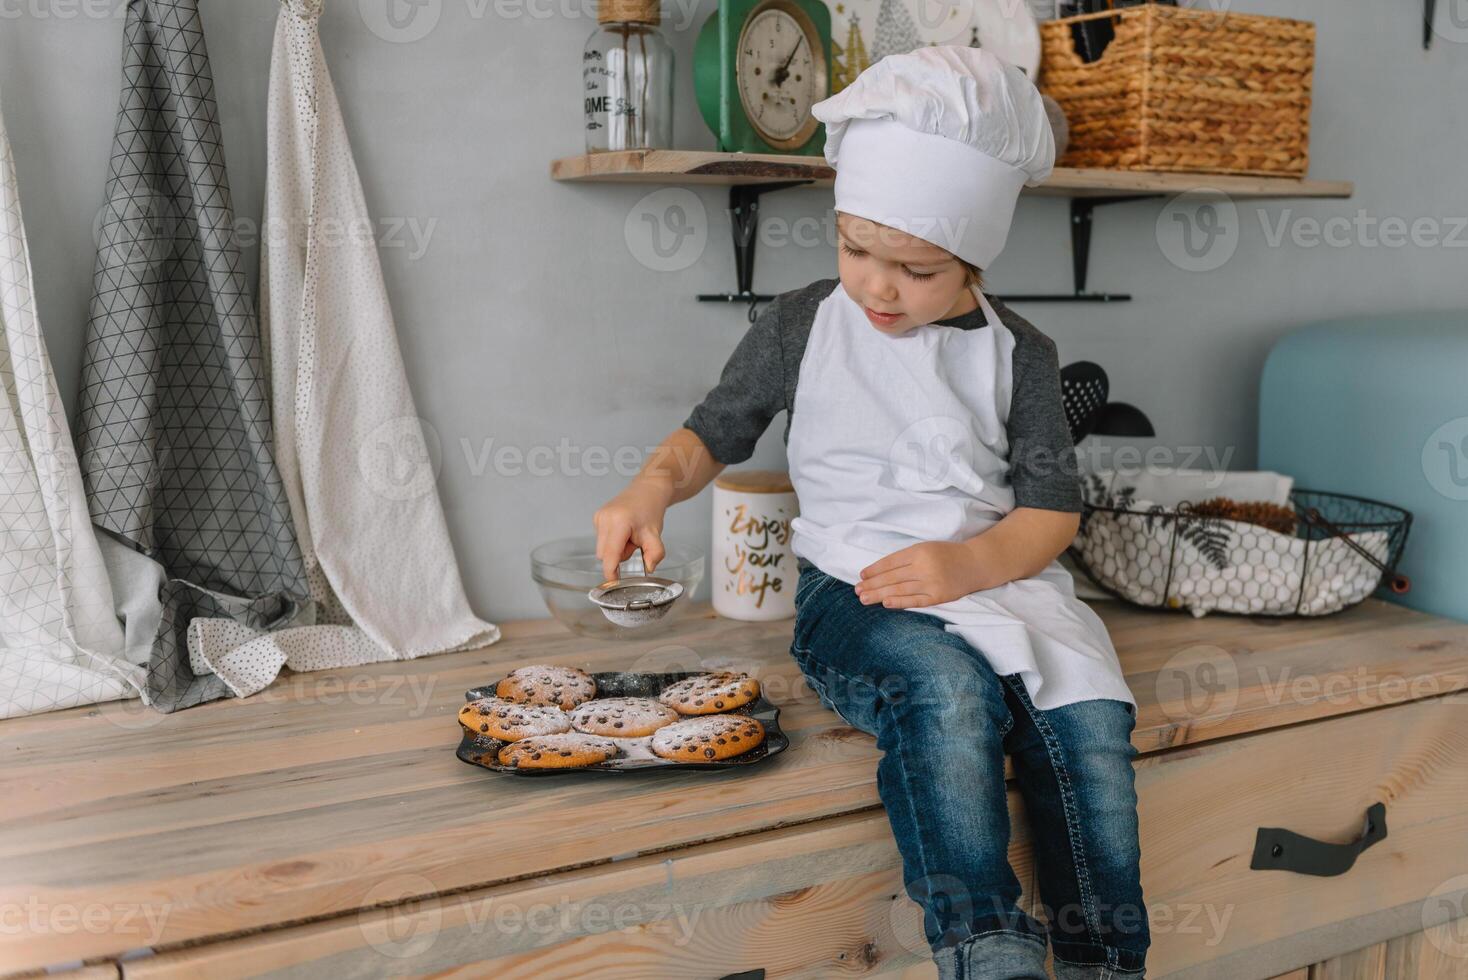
750	174
704	167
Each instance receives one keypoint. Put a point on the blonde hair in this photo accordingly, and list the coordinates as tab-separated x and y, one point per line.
974	275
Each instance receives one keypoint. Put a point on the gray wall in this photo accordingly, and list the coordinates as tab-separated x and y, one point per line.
530	319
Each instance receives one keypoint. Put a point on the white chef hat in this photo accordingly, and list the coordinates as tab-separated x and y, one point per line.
937	143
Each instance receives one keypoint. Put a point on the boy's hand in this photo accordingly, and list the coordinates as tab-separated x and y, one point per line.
924	574
633	519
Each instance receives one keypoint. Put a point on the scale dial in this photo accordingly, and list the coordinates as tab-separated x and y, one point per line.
780	71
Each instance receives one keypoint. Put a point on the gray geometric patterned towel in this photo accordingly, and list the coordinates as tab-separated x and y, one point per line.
174	417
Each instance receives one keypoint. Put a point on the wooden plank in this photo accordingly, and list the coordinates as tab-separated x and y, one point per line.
814	900
826	897
707	167
1074	182
295	803
1200	809
1359	964
691	167
921	971
1437	953
95	971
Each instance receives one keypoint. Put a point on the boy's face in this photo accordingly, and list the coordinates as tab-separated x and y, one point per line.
885	270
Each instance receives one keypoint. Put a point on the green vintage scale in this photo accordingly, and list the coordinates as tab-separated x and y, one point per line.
759	66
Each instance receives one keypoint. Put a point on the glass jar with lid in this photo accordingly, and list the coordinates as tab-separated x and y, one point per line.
627	79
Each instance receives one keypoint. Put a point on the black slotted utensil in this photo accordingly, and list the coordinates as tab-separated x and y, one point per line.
1083	389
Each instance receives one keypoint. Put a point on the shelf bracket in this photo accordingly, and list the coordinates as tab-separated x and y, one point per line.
744	221
1080	254
1429	7
744	225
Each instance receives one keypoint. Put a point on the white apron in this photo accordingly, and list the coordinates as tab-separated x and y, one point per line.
895	440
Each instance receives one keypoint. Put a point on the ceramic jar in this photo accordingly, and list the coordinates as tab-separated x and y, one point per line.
753	568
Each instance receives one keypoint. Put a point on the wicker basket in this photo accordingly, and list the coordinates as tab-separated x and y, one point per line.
1186	90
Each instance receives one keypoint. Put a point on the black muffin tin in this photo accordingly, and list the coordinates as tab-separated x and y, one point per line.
622	684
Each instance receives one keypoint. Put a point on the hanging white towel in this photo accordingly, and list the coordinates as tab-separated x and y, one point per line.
61	644
347	436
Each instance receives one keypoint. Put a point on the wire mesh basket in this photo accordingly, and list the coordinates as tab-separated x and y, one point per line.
1316	556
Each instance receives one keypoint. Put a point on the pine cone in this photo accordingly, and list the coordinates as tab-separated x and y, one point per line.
1273	516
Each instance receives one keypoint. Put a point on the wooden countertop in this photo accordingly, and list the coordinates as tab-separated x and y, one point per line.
335	791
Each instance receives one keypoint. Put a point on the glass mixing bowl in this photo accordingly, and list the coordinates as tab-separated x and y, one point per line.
567	569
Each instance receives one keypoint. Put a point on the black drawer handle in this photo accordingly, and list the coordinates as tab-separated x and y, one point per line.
746	975
1278	849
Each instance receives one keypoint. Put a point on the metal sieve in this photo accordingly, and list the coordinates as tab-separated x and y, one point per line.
636	600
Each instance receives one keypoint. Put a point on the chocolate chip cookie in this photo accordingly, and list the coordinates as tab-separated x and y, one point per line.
566	750
708	739
622	717
510	721
564	687
707	694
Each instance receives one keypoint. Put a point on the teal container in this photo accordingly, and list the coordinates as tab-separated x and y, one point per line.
1377	406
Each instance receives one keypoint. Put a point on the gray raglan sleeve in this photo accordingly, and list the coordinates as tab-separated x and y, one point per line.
751	391
1043	468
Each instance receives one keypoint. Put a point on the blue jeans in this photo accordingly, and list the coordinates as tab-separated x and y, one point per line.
944	721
